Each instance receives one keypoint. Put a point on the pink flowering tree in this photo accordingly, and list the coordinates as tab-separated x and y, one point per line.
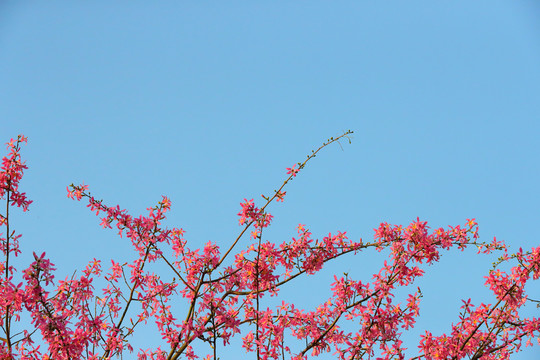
221	290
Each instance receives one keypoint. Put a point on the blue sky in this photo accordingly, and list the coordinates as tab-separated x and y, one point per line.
209	102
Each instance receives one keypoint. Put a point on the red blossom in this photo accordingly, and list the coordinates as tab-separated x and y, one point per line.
293	170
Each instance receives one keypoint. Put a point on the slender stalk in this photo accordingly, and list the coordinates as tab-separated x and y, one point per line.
7	231
8	317
215	333
257	292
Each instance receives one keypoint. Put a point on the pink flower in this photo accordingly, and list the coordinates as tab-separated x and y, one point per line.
292	170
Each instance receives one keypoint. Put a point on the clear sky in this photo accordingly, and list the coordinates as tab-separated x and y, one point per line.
209	102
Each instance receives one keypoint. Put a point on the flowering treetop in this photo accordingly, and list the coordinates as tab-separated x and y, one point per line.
222	290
